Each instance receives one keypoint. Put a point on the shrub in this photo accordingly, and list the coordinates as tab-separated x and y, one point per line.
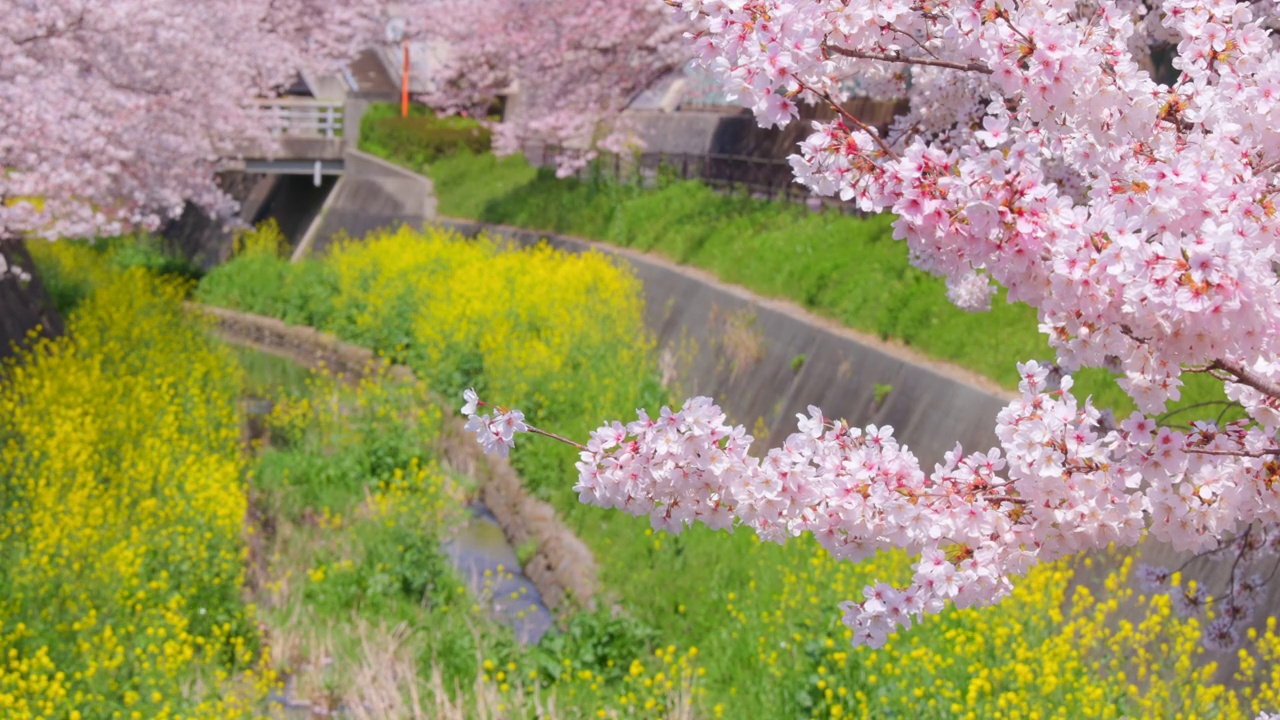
260	280
421	138
530	326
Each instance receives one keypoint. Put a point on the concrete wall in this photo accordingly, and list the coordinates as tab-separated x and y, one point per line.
206	241
766	360
372	194
731	132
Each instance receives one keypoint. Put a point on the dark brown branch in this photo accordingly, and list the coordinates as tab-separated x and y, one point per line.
875	134
1245	376
50	33
1235	453
898	57
915	40
1267	168
1243	540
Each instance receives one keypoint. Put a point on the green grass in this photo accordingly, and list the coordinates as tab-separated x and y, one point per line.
266	376
842	267
419	138
354	507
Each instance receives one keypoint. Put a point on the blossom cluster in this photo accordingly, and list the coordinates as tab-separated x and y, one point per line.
496	433
1056	486
1040	153
570	66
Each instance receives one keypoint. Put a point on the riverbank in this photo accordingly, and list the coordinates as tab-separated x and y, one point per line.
730	608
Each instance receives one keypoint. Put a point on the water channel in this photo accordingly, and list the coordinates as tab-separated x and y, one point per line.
478	549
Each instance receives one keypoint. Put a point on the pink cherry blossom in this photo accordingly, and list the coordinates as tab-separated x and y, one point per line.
573	65
114	114
1040	154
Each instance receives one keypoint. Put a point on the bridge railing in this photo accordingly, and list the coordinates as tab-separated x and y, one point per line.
301	116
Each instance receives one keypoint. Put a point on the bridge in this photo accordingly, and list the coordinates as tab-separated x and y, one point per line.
307	137
350	192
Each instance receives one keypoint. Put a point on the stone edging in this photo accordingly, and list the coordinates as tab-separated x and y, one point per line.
562	567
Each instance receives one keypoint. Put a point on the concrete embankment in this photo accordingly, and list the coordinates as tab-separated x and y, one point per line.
765	360
371	194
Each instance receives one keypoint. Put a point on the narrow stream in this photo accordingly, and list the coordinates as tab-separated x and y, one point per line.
478	550
481	553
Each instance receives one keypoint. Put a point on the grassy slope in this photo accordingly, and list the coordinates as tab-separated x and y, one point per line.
846	268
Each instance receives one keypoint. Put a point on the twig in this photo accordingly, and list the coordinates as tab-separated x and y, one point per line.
1245	376
915	40
897	57
884	147
554	436
1235	453
1243	539
1195	406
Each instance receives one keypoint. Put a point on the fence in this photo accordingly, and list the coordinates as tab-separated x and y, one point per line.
298	116
760	177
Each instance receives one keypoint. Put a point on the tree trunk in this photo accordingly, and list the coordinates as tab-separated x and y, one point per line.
25	307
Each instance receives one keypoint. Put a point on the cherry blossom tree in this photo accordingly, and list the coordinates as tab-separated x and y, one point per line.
113	114
575	65
1041	154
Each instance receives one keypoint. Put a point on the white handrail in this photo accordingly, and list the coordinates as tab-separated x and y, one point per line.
301	116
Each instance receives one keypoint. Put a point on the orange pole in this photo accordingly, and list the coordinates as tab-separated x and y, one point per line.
404	83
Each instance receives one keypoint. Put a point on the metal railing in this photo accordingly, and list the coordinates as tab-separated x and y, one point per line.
760	177
302	117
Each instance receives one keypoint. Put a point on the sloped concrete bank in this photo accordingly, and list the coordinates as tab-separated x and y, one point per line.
561	568
765	360
371	194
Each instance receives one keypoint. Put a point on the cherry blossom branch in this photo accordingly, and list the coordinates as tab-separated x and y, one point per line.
52	32
1235	453
856	490
553	436
875	134
1245	376
1267	168
915	40
897	57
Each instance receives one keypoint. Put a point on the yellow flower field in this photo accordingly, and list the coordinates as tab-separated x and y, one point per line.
122	503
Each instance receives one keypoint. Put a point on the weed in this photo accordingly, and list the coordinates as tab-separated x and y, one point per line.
882	391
